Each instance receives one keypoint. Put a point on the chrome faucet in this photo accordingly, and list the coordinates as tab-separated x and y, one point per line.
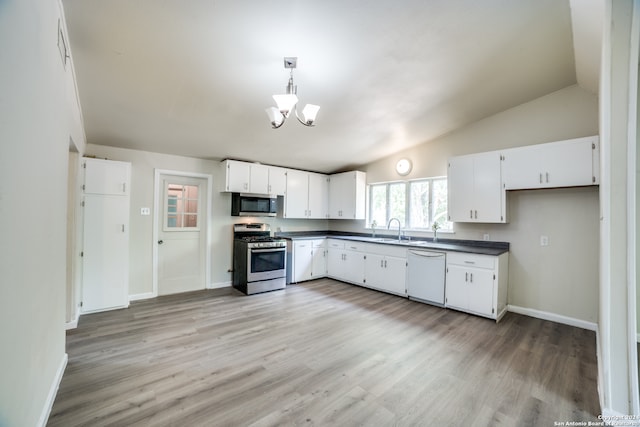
389	226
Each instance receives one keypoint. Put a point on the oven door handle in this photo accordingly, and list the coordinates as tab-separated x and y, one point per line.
258	250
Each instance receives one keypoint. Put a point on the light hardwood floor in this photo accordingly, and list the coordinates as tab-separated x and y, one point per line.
321	353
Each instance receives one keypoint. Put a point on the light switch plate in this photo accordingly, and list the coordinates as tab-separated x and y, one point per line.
145	211
485	236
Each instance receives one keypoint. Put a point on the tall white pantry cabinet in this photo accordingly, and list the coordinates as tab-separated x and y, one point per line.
105	252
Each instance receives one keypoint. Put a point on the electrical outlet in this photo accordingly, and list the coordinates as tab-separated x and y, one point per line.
544	240
485	236
145	211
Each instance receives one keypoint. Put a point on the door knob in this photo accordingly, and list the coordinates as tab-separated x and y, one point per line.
160	242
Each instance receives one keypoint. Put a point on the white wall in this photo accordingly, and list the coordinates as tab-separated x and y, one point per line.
142	193
561	278
35	132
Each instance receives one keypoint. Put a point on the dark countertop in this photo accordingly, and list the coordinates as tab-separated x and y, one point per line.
454	245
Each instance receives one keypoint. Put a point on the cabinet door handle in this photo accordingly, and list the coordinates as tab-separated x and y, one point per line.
245	186
123	228
471	277
466	277
124	187
540	178
476	212
381	265
547	176
471	214
385	263
269	188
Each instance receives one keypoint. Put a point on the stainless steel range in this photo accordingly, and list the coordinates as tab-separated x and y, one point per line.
259	260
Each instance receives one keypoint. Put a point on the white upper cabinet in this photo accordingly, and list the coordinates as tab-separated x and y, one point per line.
475	189
569	163
307	195
347	195
245	177
259	179
277	180
106	177
296	200
237	176
318	196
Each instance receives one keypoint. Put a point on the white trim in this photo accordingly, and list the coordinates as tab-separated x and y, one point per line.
156	207
72	324
219	285
136	297
558	318
632	165
53	390
604	113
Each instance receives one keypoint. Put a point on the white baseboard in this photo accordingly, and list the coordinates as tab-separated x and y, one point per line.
72	324
219	285
146	295
545	315
53	390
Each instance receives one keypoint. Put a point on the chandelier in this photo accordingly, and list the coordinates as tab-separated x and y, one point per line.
289	100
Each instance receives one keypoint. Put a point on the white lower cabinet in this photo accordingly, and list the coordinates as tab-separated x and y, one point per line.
477	283
386	269
309	260
346	261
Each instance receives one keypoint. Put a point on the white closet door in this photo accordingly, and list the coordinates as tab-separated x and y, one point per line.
105	275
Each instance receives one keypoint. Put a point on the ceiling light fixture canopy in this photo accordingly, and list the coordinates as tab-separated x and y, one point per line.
288	102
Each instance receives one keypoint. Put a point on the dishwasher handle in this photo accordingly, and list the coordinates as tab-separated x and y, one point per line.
427	254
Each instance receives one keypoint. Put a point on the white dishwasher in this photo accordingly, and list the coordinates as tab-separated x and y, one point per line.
425	276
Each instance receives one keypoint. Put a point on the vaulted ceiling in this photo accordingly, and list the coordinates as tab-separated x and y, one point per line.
193	77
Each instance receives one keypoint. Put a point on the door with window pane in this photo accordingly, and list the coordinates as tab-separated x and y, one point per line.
181	234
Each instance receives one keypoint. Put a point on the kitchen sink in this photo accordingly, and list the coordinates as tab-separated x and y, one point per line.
401	242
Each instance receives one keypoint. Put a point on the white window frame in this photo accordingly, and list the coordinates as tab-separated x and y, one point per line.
165	225
407	219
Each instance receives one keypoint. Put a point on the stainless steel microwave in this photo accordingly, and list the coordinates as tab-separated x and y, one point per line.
243	204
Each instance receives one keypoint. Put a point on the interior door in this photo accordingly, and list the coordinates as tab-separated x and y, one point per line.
182	232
